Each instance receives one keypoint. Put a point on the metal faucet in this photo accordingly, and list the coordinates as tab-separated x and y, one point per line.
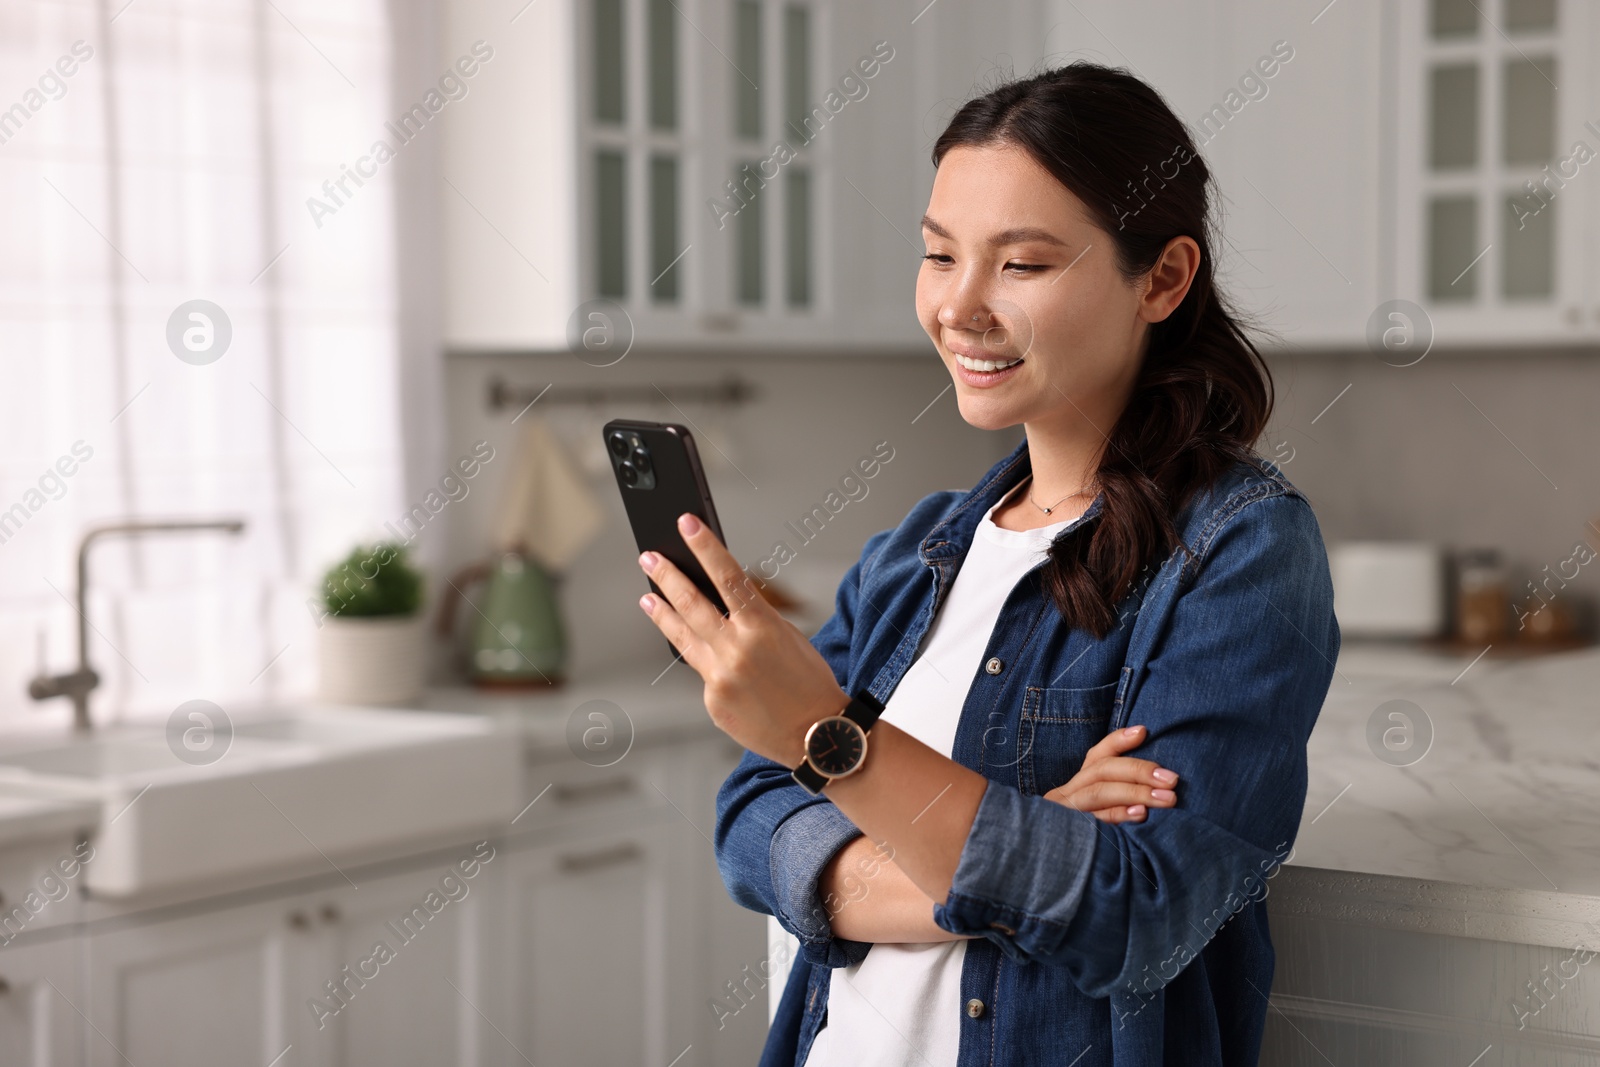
77	685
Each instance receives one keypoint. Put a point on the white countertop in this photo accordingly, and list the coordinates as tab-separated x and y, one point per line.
28	815
1508	796
1500	817
655	707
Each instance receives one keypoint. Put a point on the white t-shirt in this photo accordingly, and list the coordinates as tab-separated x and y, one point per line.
901	1006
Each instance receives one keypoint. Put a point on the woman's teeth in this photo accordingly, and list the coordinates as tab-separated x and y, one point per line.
986	364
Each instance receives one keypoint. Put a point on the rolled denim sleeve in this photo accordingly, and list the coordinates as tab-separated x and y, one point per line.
772	837
1229	695
802	846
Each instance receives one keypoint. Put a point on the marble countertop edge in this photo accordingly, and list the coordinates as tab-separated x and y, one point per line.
1522	916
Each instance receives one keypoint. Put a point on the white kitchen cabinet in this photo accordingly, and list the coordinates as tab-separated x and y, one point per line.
211	988
414	983
1299	165
737	959
1424	985
244	984
39	1003
1494	206
590	938
615	932
1386	160
721	171
41	993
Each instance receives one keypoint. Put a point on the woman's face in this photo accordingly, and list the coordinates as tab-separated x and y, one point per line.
1021	295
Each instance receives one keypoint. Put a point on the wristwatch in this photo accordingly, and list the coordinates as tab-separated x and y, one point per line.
836	745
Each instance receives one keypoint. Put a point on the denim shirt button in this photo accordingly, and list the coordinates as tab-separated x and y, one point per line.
974	1008
995	665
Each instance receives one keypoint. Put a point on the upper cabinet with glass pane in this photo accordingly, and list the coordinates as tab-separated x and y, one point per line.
703	221
732	173
1497	126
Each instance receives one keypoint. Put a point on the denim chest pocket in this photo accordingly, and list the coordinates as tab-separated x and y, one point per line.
1056	729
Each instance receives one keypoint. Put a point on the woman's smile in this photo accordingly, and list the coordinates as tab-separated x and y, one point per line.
984	373
984	360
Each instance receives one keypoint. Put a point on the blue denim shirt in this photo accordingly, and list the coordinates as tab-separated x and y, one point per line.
1131	944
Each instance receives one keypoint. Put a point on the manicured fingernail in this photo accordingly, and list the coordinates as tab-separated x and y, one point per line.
648	561
688	524
1163	794
648	603
1136	811
1161	774
1130	731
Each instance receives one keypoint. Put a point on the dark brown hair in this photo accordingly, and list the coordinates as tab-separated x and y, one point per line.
1203	394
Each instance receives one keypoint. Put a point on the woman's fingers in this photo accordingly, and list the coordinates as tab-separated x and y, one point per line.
675	630
1127	769
1117	788
1131	813
737	590
684	596
1099	795
1122	769
1116	743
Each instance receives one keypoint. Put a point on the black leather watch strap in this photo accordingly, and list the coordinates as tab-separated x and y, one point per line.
810	779
863	710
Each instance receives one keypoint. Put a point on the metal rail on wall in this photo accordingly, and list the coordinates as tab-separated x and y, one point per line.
730	392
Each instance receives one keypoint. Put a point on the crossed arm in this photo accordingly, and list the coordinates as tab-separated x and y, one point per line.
870	898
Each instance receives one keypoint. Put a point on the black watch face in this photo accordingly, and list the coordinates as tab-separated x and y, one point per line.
836	746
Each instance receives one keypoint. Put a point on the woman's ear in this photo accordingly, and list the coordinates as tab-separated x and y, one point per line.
1168	281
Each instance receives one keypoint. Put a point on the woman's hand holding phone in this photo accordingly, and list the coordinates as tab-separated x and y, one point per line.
764	682
1117	788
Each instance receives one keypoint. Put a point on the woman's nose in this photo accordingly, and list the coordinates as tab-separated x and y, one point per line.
960	313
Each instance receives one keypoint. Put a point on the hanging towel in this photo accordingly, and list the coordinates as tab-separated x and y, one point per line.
546	509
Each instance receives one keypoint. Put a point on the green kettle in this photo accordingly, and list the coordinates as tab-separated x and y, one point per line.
514	635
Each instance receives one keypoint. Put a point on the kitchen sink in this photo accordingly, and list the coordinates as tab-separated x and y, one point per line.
26	814
340	731
93	758
295	791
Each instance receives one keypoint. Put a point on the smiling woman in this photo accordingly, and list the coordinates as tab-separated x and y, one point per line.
1133	577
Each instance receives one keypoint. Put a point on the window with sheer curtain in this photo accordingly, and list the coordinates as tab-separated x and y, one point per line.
155	153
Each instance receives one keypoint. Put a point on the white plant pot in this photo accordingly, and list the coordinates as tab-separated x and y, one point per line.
380	660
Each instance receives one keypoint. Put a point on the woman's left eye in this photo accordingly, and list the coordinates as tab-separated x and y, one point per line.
1026	268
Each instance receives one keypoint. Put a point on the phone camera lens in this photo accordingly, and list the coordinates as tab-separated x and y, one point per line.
619	444
641	458
630	473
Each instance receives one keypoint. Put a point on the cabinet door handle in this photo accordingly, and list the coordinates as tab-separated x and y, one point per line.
330	913
299	920
583	862
590	792
5	987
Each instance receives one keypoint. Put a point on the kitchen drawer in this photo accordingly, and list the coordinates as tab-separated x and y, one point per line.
40	885
566	792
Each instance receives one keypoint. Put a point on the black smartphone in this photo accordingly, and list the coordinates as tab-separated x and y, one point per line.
659	473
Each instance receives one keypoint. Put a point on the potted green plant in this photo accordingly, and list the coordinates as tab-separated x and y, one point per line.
371	644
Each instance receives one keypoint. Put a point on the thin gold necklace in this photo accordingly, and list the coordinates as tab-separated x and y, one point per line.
1058	503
